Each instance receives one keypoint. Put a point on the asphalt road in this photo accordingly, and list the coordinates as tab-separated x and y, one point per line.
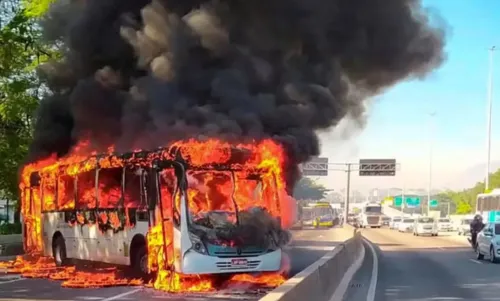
306	248
405	267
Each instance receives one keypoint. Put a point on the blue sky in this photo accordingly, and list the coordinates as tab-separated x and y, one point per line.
398	123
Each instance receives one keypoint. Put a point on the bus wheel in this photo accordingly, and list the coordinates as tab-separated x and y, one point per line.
59	251
141	261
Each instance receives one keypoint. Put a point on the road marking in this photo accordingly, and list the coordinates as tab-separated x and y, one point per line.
373	281
475	261
122	295
348	276
13	280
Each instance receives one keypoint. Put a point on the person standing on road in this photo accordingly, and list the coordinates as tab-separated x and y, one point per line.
475	227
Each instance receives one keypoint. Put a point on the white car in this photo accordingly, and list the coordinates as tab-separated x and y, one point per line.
406	225
425	225
444	225
395	222
464	226
488	242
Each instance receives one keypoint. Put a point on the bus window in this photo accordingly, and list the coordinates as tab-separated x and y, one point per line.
66	192
110	187
86	192
49	193
132	192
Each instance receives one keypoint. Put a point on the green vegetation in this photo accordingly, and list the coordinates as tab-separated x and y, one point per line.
21	52
6	229
464	201
308	189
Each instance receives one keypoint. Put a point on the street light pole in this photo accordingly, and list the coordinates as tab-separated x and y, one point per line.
488	118
429	187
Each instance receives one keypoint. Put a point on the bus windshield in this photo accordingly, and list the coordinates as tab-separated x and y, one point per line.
373	209
217	198
322	211
210	198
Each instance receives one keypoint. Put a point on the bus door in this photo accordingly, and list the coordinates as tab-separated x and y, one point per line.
168	199
32	211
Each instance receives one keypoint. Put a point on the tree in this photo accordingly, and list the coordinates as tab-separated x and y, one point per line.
465	200
21	52
308	189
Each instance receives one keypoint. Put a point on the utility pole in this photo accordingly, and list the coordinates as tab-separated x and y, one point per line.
488	118
429	187
348	189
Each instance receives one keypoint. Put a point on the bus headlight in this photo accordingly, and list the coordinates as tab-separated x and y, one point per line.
498	243
198	245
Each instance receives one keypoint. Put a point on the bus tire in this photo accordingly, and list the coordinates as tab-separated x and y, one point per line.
59	251
141	261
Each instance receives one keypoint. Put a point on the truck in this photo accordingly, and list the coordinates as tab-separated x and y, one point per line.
371	215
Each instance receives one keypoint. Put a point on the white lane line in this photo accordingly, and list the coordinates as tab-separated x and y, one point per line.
13	280
122	295
475	261
346	280
373	281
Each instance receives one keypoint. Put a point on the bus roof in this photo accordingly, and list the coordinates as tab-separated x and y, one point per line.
235	158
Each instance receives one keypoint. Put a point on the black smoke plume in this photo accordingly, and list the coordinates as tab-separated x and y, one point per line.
137	73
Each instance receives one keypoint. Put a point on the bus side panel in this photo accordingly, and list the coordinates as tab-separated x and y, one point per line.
53	222
115	247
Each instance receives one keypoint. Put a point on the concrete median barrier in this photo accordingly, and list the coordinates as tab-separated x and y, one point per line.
325	279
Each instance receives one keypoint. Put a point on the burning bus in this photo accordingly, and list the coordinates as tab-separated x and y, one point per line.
193	208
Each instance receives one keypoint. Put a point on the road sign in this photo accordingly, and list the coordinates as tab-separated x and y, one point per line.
388	201
377	167
317	167
433	203
412	202
398	201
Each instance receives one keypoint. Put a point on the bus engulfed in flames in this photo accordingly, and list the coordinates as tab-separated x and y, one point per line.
205	194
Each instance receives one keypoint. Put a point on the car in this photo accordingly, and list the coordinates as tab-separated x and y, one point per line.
488	242
444	225
395	222
464	226
386	221
425	225
406	224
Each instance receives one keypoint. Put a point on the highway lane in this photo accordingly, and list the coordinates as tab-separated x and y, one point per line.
422	268
307	246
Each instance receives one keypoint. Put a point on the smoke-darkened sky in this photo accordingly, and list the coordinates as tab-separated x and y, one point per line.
137	74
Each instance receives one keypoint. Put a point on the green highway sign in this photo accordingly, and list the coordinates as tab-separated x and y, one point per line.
398	201
433	203
409	201
412	201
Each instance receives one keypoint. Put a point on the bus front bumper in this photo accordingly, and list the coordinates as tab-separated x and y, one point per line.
196	263
323	224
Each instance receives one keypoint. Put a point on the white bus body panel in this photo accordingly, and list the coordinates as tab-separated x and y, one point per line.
196	263
87	242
